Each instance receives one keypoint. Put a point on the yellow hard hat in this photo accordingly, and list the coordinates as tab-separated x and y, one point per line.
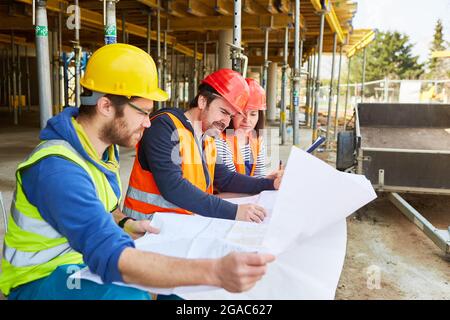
124	70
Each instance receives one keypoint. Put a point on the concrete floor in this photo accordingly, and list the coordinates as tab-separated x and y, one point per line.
380	239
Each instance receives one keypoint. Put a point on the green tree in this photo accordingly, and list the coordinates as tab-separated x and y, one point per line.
389	55
436	67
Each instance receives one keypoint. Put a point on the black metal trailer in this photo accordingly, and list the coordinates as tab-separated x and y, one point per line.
402	148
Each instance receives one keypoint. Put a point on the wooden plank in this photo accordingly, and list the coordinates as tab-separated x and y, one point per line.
199	9
95	19
277	21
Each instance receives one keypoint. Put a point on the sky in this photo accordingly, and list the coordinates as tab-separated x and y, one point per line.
416	18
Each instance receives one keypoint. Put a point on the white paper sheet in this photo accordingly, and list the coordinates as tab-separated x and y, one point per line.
309	269
305	228
313	195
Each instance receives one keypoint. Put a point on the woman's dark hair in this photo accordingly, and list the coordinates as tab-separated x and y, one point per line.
259	125
206	91
117	101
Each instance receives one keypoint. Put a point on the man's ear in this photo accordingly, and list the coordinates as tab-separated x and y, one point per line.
105	107
201	102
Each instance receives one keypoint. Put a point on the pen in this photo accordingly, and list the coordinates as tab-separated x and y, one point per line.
281	165
316	144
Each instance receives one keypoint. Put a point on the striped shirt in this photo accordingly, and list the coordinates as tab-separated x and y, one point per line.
225	156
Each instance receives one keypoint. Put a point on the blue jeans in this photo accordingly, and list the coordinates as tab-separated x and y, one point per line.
56	286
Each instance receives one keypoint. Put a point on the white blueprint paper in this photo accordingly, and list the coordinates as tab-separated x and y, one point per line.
305	228
313	195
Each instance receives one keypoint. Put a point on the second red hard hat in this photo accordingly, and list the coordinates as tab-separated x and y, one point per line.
257	98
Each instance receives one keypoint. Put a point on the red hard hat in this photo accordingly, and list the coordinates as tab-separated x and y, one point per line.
231	86
257	99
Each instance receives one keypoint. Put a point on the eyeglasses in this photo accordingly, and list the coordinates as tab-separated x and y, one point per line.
141	111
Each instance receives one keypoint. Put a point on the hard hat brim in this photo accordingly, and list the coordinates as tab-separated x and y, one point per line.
158	95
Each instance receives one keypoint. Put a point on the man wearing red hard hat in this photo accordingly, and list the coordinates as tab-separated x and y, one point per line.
175	169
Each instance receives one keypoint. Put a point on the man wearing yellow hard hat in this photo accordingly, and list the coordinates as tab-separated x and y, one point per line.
65	213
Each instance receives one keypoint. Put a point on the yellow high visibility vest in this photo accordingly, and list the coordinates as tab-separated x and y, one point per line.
32	247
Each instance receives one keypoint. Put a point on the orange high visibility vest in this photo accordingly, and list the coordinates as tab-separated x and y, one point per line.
238	159
143	195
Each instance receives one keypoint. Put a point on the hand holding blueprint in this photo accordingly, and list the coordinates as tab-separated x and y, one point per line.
305	228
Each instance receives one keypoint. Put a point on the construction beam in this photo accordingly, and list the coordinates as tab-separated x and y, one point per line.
259	60
224	7
268	4
252	7
277	21
331	17
150	3
284	6
199	9
177	9
6	38
95	19
16	23
361	44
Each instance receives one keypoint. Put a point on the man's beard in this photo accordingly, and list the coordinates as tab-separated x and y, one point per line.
117	132
215	129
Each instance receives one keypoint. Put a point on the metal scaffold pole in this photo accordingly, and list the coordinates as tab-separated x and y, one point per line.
237	36
296	76
176	86
60	60
330	94
266	58
9	76
300	66
149	31
363	74
158	48
165	65
308	92
14	79
205	58
216	58
317	87
172	76
77	49
195	82
124	28
43	63
55	70
185	80
27	70
284	80
313	85
19	79
347	93
110	22
4	78
336	116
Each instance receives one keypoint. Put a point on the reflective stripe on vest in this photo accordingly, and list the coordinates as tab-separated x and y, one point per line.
19	258
136	215
143	196
32	247
31	225
156	199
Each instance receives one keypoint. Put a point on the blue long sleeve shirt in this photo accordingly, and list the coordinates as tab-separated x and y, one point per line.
53	186
66	198
159	144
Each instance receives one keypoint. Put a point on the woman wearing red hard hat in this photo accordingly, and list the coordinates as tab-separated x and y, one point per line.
175	169
241	146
